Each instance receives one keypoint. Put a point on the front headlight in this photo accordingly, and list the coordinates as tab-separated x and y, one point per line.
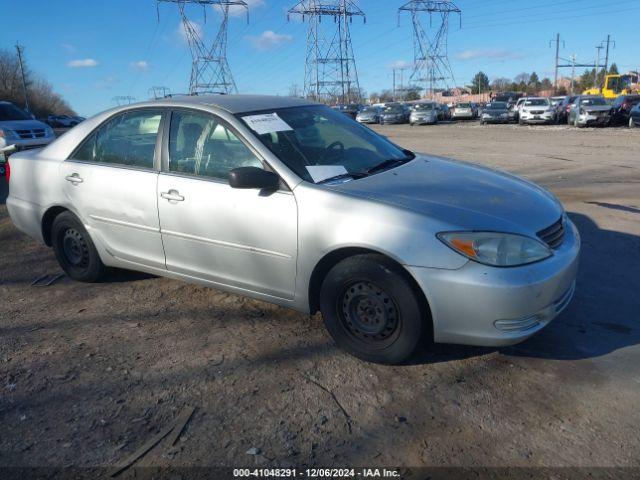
495	248
8	134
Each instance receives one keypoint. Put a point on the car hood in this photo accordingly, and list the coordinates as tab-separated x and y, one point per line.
22	124
461	195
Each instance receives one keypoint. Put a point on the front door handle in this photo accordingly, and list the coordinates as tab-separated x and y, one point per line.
172	196
74	178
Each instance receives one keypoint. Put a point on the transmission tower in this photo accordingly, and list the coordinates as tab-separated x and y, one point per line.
330	68
431	68
210	72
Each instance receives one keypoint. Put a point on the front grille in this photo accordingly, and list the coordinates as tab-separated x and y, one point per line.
553	235
30	134
537	112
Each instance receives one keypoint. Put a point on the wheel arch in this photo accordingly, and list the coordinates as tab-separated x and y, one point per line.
334	257
47	222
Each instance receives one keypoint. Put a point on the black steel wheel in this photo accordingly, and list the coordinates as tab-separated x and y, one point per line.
372	310
74	249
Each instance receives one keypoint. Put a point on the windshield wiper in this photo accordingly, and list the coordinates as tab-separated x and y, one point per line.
392	162
353	175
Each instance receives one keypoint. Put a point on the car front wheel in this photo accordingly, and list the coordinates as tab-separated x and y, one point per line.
74	249
371	309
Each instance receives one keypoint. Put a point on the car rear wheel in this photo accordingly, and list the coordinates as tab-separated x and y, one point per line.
74	249
371	309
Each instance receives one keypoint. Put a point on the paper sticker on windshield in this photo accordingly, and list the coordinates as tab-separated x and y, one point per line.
322	172
266	123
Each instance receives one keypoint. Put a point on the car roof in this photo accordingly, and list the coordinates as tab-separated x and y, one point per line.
233	103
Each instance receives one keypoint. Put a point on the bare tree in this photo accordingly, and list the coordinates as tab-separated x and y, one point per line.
43	100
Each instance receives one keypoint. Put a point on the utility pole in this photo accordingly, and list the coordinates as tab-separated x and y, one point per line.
606	57
394	85
573	72
596	83
557	62
20	50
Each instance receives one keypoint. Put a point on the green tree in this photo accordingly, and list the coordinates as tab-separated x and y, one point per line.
613	69
479	83
534	83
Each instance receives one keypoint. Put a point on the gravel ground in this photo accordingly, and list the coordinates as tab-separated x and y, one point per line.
89	373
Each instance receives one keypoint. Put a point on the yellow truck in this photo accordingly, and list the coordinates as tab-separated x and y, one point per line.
614	85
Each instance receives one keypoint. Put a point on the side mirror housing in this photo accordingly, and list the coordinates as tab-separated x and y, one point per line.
253	177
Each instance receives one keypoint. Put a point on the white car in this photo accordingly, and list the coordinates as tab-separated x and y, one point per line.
19	129
536	110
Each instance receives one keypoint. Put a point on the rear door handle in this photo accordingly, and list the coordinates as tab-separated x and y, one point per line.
74	178
172	196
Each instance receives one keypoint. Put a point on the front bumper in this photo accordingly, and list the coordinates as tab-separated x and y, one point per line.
546	117
367	120
587	119
496	119
462	116
423	120
489	306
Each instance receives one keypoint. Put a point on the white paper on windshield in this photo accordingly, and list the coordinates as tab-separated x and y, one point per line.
322	172
266	123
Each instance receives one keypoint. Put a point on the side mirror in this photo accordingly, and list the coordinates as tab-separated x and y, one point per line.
253	177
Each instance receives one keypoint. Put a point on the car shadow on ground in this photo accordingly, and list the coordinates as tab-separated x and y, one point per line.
603	316
4	190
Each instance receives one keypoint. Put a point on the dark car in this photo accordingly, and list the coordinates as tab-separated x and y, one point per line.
350	110
622	107
634	116
563	107
496	112
395	114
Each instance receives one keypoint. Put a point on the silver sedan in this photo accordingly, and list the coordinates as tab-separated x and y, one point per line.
293	203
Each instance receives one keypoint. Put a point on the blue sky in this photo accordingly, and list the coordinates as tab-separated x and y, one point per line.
94	50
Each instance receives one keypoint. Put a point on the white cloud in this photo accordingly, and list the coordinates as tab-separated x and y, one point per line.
183	32
495	54
140	65
238	11
400	64
268	40
83	63
67	47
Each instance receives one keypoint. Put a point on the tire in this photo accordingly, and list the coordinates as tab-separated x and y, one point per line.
74	249
371	310
520	121
632	124
481	122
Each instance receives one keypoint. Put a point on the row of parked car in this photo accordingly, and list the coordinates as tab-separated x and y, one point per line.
577	110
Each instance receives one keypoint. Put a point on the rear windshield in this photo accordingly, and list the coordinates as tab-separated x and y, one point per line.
497	106
593	102
9	111
464	105
424	106
394	109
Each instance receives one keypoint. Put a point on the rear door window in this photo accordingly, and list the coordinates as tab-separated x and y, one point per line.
128	139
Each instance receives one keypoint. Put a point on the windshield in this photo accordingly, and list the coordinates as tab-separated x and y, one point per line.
424	107
593	102
497	106
536	102
464	105
317	143
9	111
393	109
369	110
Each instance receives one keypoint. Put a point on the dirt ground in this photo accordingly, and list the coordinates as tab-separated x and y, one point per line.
89	373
